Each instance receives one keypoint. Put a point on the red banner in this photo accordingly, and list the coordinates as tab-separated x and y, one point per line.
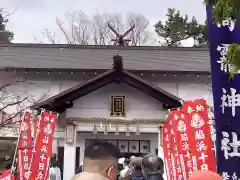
197	115
25	139
25	147
175	156
36	126
44	142
183	142
166	151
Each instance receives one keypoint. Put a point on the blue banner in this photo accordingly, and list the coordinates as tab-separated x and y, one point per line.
226	96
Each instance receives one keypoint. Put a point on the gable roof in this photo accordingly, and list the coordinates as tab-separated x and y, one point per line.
117	74
62	56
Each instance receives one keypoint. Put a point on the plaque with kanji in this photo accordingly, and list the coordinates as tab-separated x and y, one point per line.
117	106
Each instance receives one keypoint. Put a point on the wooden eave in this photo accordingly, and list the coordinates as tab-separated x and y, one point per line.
64	100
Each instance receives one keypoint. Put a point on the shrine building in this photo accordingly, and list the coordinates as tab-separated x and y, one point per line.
119	94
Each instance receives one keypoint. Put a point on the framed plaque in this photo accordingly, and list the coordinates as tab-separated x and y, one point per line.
117	106
123	146
69	133
144	147
134	146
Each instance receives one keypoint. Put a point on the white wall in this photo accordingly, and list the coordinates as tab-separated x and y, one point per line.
96	104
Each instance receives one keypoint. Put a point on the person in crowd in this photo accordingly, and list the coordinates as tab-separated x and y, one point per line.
209	175
7	169
100	162
135	170
80	168
54	172
152	167
132	157
125	167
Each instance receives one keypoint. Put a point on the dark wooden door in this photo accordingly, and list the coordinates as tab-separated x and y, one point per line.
61	159
77	159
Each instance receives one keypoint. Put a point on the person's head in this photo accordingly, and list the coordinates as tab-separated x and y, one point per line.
209	175
102	157
54	162
126	162
152	164
132	157
136	163
8	166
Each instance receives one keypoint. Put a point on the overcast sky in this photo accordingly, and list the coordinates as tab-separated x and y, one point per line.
32	16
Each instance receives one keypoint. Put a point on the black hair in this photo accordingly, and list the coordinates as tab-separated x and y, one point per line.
54	162
99	149
127	161
153	163
8	166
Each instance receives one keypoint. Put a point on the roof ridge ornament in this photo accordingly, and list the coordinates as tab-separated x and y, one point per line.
120	41
118	63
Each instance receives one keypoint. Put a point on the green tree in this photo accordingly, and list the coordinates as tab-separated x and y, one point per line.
5	35
177	28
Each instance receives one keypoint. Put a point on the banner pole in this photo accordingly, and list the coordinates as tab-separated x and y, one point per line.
15	153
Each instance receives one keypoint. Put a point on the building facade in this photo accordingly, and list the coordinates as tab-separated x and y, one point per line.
118	94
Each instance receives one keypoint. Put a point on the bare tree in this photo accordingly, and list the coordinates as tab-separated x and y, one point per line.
15	96
78	28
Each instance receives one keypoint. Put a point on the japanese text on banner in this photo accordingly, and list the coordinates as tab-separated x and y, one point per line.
44	146
199	123
183	140
25	146
166	151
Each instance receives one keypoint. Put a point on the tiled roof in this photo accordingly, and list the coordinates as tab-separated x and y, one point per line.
100	57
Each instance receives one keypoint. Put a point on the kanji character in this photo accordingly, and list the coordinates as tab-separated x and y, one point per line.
180	177
41	166
48	129
226	145
46	118
27	174
225	176
184	137
203	157
230	23
185	146
189	164
190	110
24	136
42	157
235	144
25	166
45	139
175	117
204	167
188	155
197	121
182	126
43	149
199	108
39	176
232	100
25	158
234	176
201	146
199	134
52	120
24	144
25	151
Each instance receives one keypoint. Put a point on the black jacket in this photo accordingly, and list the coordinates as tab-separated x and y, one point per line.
154	177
